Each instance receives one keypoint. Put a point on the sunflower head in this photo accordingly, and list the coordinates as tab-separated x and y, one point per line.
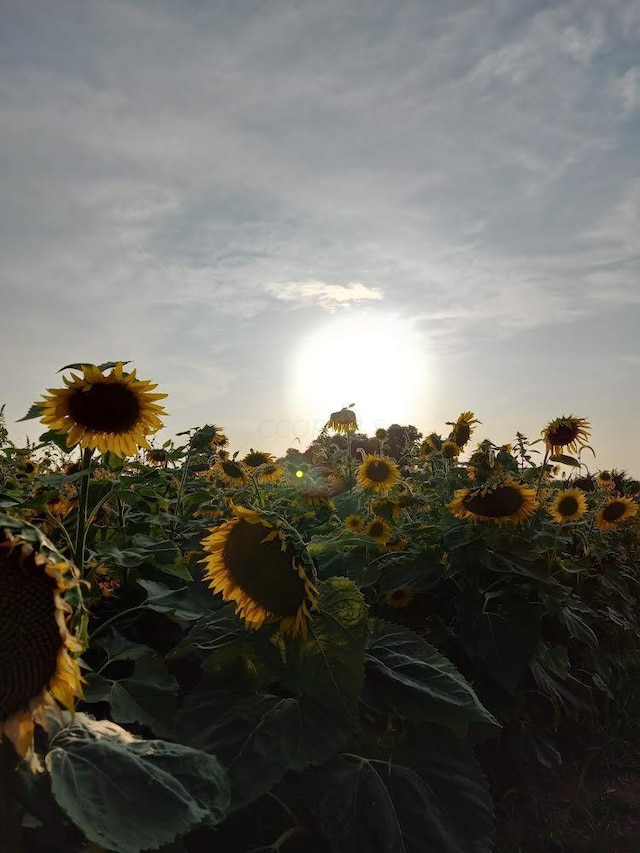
271	473
462	429
450	450
499	504
399	598
605	480
343	421
258	561
566	434
111	412
354	523
379	530
156	456
36	666
230	472
614	512
568	505
378	473
430	444
256	458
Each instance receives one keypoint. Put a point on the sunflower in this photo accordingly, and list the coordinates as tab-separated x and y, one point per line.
257	561
255	458
343	421
450	450
271	473
605	480
499	504
398	598
568	505
230	472
156	456
462	429
36	667
378	473
112	413
354	523
379	530
615	511
566	433
431	444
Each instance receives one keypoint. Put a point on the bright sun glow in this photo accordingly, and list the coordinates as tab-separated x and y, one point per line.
379	362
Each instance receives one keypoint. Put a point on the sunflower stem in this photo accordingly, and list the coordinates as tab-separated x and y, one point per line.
349	461
542	470
78	553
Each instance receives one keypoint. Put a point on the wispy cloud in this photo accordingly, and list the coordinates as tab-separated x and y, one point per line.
327	296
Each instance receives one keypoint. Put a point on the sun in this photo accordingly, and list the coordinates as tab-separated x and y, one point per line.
378	361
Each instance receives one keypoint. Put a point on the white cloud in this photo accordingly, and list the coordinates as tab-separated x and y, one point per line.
327	296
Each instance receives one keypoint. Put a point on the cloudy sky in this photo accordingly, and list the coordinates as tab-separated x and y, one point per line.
276	208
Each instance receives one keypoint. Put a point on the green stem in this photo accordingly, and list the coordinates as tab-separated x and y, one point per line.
349	462
542	469
78	553
183	480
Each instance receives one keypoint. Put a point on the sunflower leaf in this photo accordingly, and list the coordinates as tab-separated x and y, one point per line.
428	794
564	460
98	772
35	411
408	677
329	664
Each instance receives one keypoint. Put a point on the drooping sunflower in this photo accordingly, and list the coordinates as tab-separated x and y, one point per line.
499	504
566	434
257	561
354	523
271	473
343	421
614	512
378	473
430	444
462	428
156	456
450	450
399	598
112	413
36	666
568	505
379	530
255	458
230	472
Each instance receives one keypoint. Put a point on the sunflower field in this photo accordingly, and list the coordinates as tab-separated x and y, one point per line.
355	649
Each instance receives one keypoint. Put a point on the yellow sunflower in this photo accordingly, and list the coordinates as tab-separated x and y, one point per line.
450	450
257	561
568	505
255	458
354	523
379	530
615	511
271	473
378	473
112	413
462	429
230	472
398	598
605	480
499	504
343	421
431	443
36	666
566	434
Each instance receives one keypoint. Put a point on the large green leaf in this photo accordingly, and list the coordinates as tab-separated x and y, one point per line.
130	795
420	573
428	795
329	664
258	736
410	678
148	696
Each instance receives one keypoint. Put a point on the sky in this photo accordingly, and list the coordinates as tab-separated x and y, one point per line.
277	208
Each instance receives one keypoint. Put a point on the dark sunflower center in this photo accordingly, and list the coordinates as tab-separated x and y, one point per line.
232	469
449	450
568	505
614	511
562	434
262	570
376	529
461	434
105	407
496	503
377	471
29	636
253	460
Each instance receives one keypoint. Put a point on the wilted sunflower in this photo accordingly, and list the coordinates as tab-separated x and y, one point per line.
399	597
36	667
378	473
230	472
255	458
354	523
462	429
379	530
499	504
450	450
257	561
343	421
566	433
568	505
113	413
615	511
271	473
156	456
431	443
